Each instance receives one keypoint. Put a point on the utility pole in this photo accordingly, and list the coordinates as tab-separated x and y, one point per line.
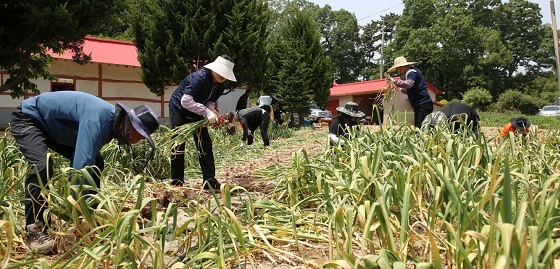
555	36
383	45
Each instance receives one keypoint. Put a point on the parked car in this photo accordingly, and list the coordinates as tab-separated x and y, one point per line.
549	111
316	113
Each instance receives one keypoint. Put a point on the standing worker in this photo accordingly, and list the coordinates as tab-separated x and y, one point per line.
76	125
412	83
243	101
192	101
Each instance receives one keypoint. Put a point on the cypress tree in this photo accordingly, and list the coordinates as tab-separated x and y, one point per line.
175	37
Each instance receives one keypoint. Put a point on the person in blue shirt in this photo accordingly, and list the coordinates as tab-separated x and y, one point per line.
76	125
412	83
192	101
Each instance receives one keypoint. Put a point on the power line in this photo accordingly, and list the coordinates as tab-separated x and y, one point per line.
380	12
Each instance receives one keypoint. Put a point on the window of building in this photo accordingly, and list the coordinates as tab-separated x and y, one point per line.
63	84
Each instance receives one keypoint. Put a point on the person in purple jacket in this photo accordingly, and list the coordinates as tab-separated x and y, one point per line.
76	125
412	83
192	101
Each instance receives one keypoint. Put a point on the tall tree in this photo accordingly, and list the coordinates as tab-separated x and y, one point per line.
461	44
371	42
174	37
303	72
340	38
30	30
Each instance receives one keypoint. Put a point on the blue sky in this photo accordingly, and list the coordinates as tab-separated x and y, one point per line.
367	10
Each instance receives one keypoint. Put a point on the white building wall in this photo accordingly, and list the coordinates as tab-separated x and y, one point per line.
60	68
118	83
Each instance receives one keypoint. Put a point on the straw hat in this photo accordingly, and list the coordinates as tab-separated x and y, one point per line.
223	67
351	109
400	61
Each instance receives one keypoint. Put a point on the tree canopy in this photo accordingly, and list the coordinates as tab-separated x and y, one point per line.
175	37
459	44
30	30
302	71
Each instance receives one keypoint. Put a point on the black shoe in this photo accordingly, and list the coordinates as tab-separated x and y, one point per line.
211	184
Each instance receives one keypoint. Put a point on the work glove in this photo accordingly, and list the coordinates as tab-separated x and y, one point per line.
212	117
390	81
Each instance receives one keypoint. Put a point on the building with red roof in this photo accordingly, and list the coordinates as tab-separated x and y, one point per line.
113	74
375	93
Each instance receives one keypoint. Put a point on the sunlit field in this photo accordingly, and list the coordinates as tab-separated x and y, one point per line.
393	197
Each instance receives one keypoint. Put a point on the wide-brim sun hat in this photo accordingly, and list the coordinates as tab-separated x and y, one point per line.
143	119
223	67
520	123
351	109
400	61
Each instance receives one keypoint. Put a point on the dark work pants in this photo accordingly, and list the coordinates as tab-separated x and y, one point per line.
34	145
203	143
420	112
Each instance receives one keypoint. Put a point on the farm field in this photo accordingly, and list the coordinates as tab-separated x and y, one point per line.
393	197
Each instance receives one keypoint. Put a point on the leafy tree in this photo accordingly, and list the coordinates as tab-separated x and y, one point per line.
175	37
474	43
30	30
303	71
340	38
370	45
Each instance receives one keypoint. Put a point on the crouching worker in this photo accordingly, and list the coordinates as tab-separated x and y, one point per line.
456	115
76	125
519	125
250	119
341	124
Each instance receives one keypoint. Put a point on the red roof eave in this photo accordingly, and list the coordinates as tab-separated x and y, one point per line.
106	51
368	87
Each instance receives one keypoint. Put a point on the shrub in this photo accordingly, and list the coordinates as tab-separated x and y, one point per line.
512	100
478	98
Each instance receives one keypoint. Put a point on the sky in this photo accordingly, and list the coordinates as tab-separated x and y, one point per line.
368	10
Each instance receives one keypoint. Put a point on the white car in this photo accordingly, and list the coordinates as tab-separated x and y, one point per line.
549	111
316	113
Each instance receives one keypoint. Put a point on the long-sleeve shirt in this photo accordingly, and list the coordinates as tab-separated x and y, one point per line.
414	86
75	119
254	117
196	94
338	128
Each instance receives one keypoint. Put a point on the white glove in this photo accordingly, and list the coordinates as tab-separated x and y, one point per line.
212	117
391	81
